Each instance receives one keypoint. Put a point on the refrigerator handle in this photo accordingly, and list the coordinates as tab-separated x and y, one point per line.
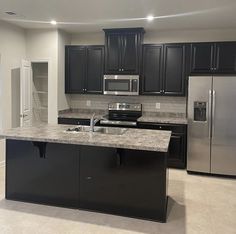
209	113
213	111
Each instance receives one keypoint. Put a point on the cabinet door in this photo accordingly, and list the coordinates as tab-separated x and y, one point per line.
151	78
75	69
117	181
225	58
74	121
202	57
130	53
97	177
177	158
42	172
112	53
95	63
174	69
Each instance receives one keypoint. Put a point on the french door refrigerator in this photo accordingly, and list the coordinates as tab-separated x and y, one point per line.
212	124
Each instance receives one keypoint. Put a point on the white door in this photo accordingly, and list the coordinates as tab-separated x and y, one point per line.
26	94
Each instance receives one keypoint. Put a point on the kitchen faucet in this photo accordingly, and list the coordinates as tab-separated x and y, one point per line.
93	122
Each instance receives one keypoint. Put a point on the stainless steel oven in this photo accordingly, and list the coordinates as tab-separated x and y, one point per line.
121	84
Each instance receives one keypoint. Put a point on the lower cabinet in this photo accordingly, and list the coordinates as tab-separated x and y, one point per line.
73	121
178	142
117	181
42	172
124	182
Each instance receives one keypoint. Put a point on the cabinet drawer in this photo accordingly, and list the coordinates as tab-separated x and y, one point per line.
175	128
73	121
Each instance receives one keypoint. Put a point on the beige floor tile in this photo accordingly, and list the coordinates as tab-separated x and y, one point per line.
197	205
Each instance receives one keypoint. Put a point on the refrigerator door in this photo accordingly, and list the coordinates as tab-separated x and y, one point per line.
199	123
223	155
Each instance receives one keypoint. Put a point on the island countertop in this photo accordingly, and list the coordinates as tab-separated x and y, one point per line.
137	139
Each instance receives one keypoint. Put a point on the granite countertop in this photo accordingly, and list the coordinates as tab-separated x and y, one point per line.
150	117
140	139
81	114
163	119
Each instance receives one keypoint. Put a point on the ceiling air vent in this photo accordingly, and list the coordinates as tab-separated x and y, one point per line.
10	13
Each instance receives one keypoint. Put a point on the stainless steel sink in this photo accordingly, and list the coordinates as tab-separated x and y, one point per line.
79	128
101	130
112	131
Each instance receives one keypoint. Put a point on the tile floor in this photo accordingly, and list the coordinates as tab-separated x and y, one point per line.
199	204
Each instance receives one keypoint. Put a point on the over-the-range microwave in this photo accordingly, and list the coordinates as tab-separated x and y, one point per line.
121	84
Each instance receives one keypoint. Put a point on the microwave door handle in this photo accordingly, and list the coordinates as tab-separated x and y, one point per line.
131	88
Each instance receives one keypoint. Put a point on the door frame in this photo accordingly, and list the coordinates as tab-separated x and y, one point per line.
49	62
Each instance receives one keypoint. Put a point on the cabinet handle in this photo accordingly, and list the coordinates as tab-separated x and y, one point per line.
41	147
118	158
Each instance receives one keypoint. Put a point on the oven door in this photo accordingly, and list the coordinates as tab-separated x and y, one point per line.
119	85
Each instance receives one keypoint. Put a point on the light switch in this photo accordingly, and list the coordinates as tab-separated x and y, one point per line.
158	105
88	103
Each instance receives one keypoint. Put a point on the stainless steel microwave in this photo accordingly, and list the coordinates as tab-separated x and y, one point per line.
121	84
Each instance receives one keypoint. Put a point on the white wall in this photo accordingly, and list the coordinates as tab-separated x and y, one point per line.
12	51
88	39
169	36
40	45
63	99
190	36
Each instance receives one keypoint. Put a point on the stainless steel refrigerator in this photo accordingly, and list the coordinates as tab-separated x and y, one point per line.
212	124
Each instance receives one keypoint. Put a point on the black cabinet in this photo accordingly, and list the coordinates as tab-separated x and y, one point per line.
42	172
124	182
75	68
163	69
202	57
123	50
225	61
151	78
178	142
84	69
174	74
214	57
117	181
74	121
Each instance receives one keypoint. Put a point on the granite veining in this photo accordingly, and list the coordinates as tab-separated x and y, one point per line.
81	113
163	117
151	117
167	120
140	139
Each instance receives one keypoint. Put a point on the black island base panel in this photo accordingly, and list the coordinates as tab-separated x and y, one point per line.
123	182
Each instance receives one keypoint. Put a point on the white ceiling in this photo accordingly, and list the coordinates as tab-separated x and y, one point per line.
94	15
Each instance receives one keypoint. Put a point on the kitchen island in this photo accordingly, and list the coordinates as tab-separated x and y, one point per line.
124	174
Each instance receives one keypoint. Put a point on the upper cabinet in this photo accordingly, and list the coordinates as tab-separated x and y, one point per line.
174	69
84	67
216	58
164	69
123	50
152	69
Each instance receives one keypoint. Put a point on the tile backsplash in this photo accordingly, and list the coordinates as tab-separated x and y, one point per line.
100	102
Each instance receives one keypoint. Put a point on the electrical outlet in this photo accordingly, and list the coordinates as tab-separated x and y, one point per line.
88	103
158	105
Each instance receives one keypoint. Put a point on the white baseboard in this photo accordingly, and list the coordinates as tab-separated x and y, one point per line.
2	163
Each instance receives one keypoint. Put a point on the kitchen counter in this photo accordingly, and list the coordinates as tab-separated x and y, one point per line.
138	139
150	117
163	119
81	114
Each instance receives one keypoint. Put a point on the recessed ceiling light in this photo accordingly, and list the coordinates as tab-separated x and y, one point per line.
10	13
150	18
53	22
